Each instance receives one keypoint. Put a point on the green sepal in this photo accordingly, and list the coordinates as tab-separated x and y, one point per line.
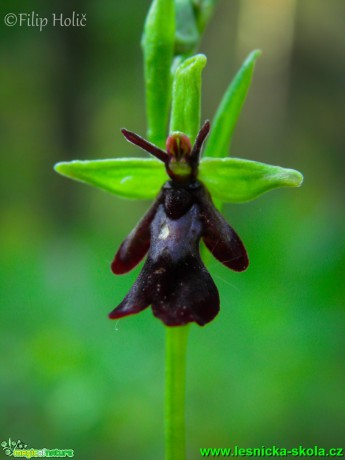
228	179
158	44
233	180
139	178
186	101
229	109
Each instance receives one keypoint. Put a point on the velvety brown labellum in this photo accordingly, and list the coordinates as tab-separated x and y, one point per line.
174	279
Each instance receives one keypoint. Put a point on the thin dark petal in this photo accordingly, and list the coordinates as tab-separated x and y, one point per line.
203	133
145	145
137	243
221	239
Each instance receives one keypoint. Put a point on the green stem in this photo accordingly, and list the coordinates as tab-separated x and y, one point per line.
175	389
185	116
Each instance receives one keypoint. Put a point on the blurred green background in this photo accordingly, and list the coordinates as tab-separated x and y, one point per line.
270	369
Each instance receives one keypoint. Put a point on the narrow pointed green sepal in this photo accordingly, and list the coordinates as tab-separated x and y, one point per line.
229	109
137	178
234	180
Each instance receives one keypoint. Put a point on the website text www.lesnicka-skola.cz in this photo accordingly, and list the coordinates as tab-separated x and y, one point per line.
273	451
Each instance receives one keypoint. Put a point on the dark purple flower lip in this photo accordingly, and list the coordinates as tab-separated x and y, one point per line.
174	280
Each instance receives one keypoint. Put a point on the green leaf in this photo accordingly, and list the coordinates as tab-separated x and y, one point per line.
236	180
126	177
158	46
185	113
229	109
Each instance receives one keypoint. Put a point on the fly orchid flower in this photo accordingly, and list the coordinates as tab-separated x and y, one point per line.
174	280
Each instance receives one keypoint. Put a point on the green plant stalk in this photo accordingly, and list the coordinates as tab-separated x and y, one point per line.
158	43
176	347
